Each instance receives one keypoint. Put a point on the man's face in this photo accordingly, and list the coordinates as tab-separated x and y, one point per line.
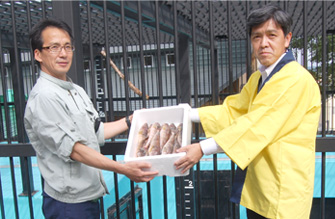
56	64
268	42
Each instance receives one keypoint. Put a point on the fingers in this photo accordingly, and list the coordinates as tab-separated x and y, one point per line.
150	174
180	163
182	149
193	155
144	165
138	172
146	176
184	164
142	179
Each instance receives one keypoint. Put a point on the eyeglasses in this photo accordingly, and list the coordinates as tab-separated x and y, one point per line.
57	48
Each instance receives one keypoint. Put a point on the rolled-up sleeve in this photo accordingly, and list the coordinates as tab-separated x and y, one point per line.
100	134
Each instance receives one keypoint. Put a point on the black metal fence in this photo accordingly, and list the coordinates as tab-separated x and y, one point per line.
194	52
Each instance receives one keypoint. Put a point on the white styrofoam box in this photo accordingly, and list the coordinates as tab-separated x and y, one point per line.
164	164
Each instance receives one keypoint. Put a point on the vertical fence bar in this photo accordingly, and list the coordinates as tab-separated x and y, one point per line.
19	104
176	51
8	133
5	98
109	115
124	53
30	201
305	21
240	61
213	68
102	210
230	53
12	170
32	62
126	78
159	61
92	59
160	88
332	76
186	183
27	160
44	11
196	105
140	33
215	91
2	207
249	59
230	72
165	197
324	99
17	83
143	87
117	197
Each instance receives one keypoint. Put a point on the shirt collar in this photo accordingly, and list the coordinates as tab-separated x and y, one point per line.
68	84
267	71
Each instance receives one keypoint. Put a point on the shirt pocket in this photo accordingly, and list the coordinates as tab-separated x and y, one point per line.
82	123
93	116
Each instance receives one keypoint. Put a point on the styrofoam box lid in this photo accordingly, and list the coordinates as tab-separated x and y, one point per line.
164	164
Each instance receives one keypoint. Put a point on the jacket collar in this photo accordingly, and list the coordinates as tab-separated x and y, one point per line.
286	59
68	85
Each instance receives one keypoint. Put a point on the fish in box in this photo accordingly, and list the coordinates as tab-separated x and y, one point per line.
156	134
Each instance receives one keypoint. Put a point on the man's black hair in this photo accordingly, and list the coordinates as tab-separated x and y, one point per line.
35	34
261	15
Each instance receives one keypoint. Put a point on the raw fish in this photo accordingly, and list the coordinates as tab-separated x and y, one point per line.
164	134
154	148
173	127
178	141
142	137
154	128
168	147
180	133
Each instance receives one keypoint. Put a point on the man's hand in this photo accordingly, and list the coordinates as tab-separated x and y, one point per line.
193	155
135	171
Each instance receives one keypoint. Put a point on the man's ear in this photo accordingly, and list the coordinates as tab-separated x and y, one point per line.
37	55
288	38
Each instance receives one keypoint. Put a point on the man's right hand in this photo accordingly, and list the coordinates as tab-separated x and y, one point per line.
135	171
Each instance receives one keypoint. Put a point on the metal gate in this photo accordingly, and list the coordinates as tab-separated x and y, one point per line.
195	52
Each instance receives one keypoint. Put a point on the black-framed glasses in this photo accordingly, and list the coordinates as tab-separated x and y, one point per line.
57	48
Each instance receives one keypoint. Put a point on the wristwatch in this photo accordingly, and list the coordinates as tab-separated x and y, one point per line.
128	122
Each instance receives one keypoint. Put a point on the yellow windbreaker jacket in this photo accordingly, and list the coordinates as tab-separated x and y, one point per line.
272	133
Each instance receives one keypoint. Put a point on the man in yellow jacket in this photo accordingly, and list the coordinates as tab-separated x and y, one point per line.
269	129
